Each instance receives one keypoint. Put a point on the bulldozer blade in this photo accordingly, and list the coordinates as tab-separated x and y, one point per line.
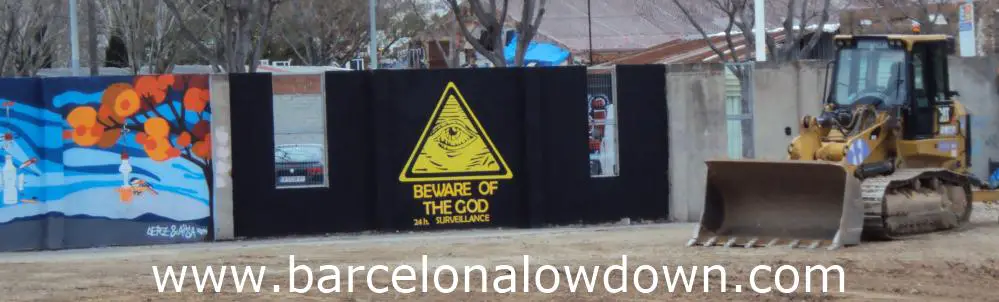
754	203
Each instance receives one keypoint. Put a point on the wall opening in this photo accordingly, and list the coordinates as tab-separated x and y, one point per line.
300	144
603	127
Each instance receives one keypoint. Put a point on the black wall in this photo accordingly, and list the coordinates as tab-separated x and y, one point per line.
404	101
536	118
259	208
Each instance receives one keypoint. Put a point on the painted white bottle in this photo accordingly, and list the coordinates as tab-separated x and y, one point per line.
9	175
608	148
126	170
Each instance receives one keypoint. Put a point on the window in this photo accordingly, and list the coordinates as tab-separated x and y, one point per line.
940	74
869	72
918	82
602	114
299	131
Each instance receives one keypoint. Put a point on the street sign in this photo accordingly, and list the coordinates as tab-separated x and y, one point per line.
966	29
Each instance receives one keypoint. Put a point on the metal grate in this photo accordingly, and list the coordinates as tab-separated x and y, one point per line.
300	165
602	114
739	109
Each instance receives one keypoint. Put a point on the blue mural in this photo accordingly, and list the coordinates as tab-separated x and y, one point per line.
104	161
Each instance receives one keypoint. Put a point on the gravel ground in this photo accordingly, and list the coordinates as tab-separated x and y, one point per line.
950	266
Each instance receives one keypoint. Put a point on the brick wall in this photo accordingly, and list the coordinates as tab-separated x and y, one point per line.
299	111
298	84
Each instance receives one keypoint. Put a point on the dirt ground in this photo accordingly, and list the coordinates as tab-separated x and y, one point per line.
958	265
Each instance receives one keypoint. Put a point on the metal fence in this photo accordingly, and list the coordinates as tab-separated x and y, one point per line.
603	139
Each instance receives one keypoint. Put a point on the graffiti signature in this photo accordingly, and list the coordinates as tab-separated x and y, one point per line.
185	231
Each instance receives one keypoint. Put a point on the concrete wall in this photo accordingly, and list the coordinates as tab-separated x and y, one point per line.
696	102
782	96
224	224
975	79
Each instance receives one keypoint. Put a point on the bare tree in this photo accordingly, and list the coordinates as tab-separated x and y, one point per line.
434	27
401	22
29	31
802	22
322	32
240	29
150	33
492	17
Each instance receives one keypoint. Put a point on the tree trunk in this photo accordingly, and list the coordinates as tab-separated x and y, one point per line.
92	34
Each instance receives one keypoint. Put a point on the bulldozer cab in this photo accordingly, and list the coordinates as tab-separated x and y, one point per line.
905	74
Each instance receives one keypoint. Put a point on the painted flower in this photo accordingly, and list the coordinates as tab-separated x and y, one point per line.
201	129
127	103
159	149
86	132
184	139
150	87
157	127
110	111
196	99
165	81
203	149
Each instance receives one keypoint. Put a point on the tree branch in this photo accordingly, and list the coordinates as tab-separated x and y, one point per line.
187	34
258	50
818	31
468	35
699	29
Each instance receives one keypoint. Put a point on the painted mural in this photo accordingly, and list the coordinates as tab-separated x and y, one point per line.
104	161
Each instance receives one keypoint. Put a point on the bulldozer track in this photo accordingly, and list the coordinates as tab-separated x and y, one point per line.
914	201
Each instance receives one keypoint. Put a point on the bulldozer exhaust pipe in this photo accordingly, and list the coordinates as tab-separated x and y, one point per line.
752	203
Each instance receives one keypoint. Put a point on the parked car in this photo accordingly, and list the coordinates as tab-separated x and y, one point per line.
299	164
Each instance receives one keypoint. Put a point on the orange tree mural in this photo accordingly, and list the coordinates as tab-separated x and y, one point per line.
168	114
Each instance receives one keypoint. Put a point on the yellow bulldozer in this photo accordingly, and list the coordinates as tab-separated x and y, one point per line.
888	156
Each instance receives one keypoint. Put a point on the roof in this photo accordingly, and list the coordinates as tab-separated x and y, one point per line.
698	50
641	24
688	51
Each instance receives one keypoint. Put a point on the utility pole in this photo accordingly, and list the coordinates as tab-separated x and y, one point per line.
373	44
589	28
92	37
761	27
74	39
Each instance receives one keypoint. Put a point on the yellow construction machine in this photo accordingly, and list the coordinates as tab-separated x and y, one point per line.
888	156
